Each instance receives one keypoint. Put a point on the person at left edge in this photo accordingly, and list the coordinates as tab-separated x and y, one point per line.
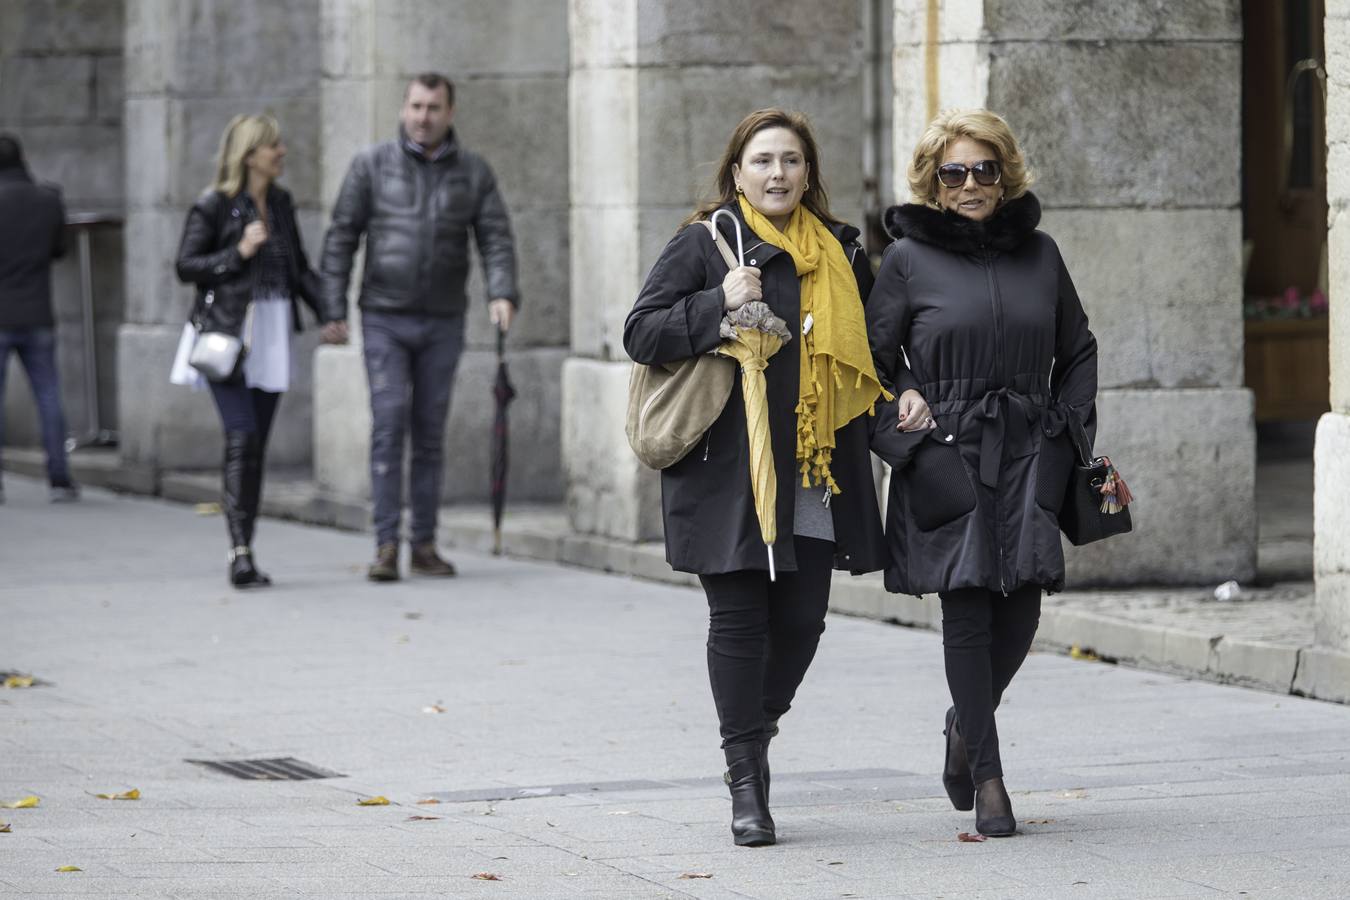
241	246
32	234
810	270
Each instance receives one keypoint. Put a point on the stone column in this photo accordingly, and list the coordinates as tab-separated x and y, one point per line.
1331	497
1115	104
508	60
656	91
191	67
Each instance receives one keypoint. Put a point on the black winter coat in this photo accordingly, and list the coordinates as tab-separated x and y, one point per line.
416	215
208	256
32	234
706	498
999	344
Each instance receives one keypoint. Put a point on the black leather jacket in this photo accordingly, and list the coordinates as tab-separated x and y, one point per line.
208	256
416	215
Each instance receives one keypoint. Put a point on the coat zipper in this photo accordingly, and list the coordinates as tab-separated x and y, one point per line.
996	303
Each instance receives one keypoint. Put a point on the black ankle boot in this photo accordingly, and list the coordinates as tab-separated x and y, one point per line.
751	824
993	809
243	573
956	768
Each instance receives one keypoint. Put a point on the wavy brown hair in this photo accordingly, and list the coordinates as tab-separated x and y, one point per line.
976	124
724	186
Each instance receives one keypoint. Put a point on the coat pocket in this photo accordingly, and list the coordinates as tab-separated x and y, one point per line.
1053	468
938	486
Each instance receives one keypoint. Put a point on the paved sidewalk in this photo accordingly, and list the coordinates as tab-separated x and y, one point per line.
584	697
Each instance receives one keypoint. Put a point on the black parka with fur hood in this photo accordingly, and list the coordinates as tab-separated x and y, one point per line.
999	344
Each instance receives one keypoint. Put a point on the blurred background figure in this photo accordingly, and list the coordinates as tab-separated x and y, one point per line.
242	249
32	222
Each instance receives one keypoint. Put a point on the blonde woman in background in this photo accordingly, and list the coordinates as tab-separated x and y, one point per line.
242	249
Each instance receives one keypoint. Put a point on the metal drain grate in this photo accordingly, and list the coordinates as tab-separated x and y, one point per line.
286	769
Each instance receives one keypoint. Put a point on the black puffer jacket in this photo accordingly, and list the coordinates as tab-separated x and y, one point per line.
706	498
32	234
208	256
416	215
999	344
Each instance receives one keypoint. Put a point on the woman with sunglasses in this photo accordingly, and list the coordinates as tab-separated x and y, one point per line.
992	331
807	266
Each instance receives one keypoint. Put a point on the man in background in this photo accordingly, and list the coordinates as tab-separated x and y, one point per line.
32	234
416	199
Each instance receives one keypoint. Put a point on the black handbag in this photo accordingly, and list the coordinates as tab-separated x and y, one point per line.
1097	503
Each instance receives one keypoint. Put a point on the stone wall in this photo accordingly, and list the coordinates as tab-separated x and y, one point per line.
191	66
61	95
1331	514
1114	104
508	60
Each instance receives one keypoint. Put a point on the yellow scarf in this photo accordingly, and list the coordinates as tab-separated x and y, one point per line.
838	381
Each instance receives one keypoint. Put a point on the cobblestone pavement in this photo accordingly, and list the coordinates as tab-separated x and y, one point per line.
576	755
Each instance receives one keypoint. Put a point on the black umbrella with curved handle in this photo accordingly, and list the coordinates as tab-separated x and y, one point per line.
502	393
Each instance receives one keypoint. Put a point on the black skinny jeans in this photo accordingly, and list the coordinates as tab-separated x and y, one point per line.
985	639
762	636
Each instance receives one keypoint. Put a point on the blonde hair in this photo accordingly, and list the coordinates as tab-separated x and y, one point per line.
976	124
242	136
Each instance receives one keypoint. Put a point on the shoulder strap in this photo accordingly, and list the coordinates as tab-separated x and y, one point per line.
728	255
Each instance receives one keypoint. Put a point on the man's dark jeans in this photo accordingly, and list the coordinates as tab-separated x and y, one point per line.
36	348
410	364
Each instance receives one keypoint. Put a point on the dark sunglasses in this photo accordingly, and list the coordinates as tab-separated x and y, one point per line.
986	172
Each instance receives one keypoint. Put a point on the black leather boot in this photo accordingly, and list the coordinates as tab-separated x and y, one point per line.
238	521
751	824
956	777
993	809
252	500
770	732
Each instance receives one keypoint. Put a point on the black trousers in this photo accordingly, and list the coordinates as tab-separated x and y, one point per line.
985	639
762	636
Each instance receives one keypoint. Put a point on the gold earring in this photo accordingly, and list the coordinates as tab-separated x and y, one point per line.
739	189
806	187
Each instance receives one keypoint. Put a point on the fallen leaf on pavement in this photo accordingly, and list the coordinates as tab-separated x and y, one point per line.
373	801
207	509
1038	821
133	794
622	812
486	876
433	708
26	803
430	801
696	875
424	818
1075	794
19	681
1077	652
966	837
69	869
4	828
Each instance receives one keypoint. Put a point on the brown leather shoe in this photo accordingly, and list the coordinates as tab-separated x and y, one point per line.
425	561
385	566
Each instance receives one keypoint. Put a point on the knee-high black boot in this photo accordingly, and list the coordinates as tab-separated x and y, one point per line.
253	478
234	502
751	824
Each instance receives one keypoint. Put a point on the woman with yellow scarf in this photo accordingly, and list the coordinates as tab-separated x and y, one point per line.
821	391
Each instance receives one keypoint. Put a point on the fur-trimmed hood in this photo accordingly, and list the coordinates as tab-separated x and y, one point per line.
1008	227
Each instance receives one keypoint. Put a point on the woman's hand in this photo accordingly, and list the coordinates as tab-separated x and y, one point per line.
740	287
914	413
334	332
255	235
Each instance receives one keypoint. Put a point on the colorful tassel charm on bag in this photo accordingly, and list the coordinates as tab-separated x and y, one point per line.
1115	493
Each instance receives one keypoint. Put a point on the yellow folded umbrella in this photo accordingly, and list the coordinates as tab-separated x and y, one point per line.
750	335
